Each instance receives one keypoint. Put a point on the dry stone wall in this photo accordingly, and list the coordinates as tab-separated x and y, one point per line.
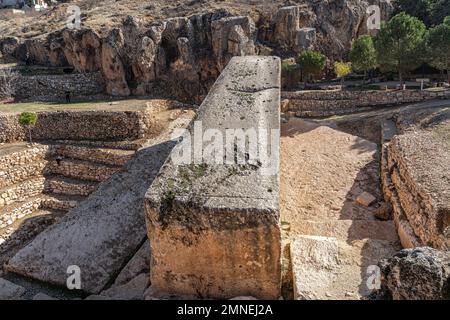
82	170
427	212
322	103
79	125
20	166
54	87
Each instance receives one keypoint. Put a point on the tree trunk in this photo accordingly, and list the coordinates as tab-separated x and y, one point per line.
29	135
400	76
342	83
448	76
364	78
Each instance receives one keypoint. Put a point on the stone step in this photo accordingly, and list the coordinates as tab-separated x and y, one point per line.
60	202
21	173
113	157
327	268
18	210
123	145
69	186
347	229
101	233
80	169
21	191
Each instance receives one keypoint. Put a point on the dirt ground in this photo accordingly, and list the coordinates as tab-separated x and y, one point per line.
111	105
323	172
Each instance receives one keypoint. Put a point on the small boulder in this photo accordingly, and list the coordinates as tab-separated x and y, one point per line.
365	199
416	274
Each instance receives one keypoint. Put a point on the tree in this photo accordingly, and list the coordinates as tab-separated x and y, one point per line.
363	55
438	43
431	12
420	9
28	119
311	62
439	9
400	43
447	21
9	79
342	69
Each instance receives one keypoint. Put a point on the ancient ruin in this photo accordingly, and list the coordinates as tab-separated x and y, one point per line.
169	160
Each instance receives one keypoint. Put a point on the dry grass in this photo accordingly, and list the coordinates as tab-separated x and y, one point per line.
104	14
129	104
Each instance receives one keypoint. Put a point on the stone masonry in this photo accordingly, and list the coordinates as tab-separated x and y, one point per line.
214	228
323	103
54	87
79	125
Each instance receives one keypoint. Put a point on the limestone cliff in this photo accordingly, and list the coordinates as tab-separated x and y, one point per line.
183	56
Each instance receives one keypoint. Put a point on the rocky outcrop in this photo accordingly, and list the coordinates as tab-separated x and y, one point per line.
112	66
82	49
183	56
232	36
416	274
287	30
328	26
8	46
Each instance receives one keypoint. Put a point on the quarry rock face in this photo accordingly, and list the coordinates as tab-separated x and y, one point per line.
8	46
214	226
82	49
416	274
232	36
328	26
112	66
183	56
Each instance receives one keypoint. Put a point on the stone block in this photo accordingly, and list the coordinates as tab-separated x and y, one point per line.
10	291
365	199
214	226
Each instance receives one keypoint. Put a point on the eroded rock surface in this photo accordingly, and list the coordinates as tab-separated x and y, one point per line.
416	274
214	226
141	57
415	171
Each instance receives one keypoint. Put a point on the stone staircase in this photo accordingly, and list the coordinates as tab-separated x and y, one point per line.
43	183
332	241
76	169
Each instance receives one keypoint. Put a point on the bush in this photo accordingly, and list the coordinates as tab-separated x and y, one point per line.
342	69
311	62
